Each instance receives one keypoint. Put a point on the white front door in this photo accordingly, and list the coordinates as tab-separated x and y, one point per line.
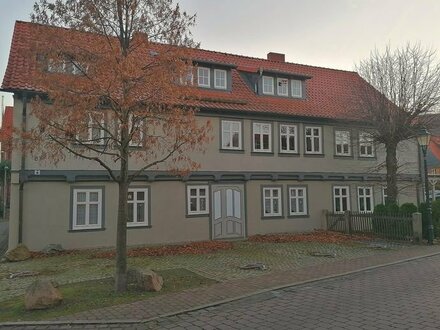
228	214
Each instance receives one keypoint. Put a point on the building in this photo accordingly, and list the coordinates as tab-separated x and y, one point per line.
287	145
6	133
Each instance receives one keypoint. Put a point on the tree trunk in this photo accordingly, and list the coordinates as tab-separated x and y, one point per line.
391	164
121	235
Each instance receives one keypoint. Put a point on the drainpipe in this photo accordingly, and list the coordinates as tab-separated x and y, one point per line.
22	170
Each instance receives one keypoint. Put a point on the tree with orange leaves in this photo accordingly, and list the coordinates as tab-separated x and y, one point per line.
114	91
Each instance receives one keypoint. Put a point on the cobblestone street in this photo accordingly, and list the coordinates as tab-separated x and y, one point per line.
401	296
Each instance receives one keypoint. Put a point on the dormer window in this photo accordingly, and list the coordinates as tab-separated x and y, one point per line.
282	87
204	77
220	79
268	85
297	88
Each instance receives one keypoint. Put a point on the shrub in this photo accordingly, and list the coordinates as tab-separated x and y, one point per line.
380	209
408	208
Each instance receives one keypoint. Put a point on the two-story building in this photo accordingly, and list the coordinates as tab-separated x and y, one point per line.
287	145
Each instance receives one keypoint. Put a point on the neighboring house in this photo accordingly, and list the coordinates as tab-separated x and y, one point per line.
286	146
6	133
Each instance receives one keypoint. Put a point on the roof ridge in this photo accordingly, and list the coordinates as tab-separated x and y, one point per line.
212	51
271	61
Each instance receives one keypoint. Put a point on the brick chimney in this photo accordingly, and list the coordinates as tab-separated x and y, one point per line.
277	57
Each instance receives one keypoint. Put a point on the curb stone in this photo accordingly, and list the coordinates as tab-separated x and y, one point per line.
219	302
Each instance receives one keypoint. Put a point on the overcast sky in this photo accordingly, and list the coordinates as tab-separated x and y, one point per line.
329	33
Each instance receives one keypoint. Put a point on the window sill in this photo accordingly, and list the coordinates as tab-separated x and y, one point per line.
232	151
300	216
85	230
367	158
272	217
138	227
204	215
314	155
288	154
343	156
262	153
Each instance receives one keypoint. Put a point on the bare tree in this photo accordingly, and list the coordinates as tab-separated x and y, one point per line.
405	86
113	82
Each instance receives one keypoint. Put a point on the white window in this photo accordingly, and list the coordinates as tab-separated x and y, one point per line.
137	128
288	138
384	195
231	135
267	85
198	200
204	77
95	133
366	145
188	77
272	202
342	143
137	207
341	199
87	209
313	140
365	199
282	87
262	137
220	79
296	88
297	201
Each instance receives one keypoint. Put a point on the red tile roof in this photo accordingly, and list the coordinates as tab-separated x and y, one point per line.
329	92
6	131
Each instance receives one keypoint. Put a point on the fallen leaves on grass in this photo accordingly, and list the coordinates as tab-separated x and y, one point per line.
316	236
38	254
169	250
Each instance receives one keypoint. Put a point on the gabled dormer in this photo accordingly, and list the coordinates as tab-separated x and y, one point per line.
213	75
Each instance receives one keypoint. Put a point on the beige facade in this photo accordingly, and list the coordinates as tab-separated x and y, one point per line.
47	190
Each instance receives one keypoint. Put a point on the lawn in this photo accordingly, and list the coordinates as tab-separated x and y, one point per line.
94	294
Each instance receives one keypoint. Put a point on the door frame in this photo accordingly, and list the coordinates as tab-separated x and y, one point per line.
211	205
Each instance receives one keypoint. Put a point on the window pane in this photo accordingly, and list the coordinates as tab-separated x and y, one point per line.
202	204
308	144
284	142
266	142
344	204
235	140
283	129
93	197
193	204
130	196
140	212
80	215
301	205
193	192
266	193
202	192
93	214
81	197
227	139
276	206
140	195
275	192
267	208
130	213
257	142
293	205
291	143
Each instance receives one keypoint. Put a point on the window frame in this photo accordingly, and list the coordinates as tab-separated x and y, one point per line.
216	71
74	203
296	135
287	87
280	212
304	197
349	143
364	197
292	88
147	221
368	141
263	85
262	150
335	196
198	212
240	134
321	143
200	68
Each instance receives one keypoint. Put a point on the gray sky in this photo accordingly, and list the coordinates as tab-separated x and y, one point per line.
329	33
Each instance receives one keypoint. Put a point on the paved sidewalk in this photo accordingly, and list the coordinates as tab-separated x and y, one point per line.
227	291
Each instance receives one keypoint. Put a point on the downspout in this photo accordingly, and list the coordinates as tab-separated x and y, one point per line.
22	170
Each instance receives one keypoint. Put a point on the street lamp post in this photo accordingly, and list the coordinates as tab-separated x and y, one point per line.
5	190
423	140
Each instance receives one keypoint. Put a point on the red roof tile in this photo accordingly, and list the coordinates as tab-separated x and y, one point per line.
329	92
